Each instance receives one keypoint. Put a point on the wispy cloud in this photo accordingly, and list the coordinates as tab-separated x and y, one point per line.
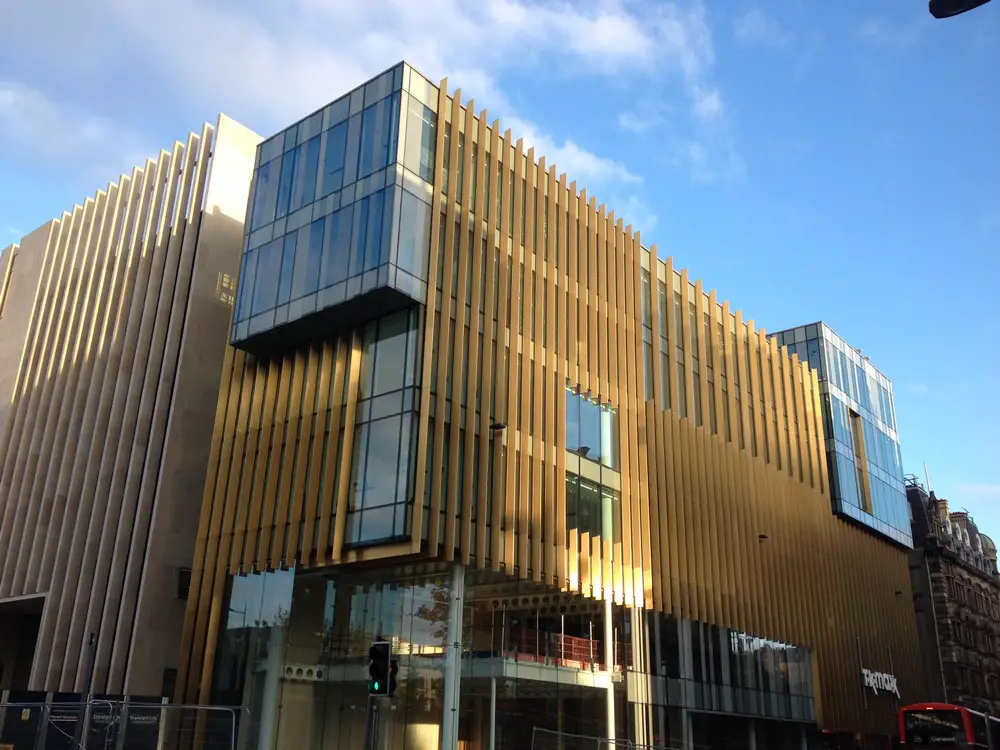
707	103
639	122
268	69
757	29
890	36
917	388
708	165
34	125
569	157
636	212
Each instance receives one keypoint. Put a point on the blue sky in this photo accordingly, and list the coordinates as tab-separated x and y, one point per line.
834	161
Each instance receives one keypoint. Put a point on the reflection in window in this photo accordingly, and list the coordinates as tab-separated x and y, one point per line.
287	264
336	247
379	124
367	238
265	194
414	235
380	487
308	254
304	179
285	184
335	140
421	127
390	361
591	430
389	354
253	631
593	509
246	282
265	291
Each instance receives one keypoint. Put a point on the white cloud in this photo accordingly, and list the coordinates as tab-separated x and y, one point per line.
890	36
706	165
268	68
639	122
756	29
282	65
577	162
34	126
633	210
707	103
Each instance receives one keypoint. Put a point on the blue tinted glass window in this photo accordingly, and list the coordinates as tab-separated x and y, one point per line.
862	386
285	185
845	378
391	359
317	234
333	159
351	150
382	464
378	135
265	194
308	254
265	292
590	429
414	235
246	284
572	421
812	348
287	264
359	237
304	179
373	236
337	248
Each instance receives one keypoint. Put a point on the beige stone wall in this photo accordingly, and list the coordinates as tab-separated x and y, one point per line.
104	456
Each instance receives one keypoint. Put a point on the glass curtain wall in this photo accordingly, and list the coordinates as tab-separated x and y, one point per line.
340	204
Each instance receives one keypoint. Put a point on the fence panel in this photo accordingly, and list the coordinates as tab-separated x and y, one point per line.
118	725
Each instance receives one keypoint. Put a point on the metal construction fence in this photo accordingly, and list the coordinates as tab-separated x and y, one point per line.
117	725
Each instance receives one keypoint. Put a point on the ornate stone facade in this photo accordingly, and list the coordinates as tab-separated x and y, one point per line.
957	601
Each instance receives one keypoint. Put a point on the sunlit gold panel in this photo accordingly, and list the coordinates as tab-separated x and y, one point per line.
726	518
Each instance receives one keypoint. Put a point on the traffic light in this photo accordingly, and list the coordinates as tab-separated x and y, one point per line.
379	668
393	671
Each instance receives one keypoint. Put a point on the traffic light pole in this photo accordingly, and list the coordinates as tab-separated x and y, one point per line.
371	723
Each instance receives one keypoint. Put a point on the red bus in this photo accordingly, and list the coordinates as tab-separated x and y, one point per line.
931	725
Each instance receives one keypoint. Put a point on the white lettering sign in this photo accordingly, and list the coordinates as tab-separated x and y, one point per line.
879	681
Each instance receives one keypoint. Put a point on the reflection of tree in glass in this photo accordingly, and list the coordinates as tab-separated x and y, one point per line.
423	688
436	613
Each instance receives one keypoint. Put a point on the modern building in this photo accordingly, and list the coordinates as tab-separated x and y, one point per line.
113	325
862	445
469	411
956	592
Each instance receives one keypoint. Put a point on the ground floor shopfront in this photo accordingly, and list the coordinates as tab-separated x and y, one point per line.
491	664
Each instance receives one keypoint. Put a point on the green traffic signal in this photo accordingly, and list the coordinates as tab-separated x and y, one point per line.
379	667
